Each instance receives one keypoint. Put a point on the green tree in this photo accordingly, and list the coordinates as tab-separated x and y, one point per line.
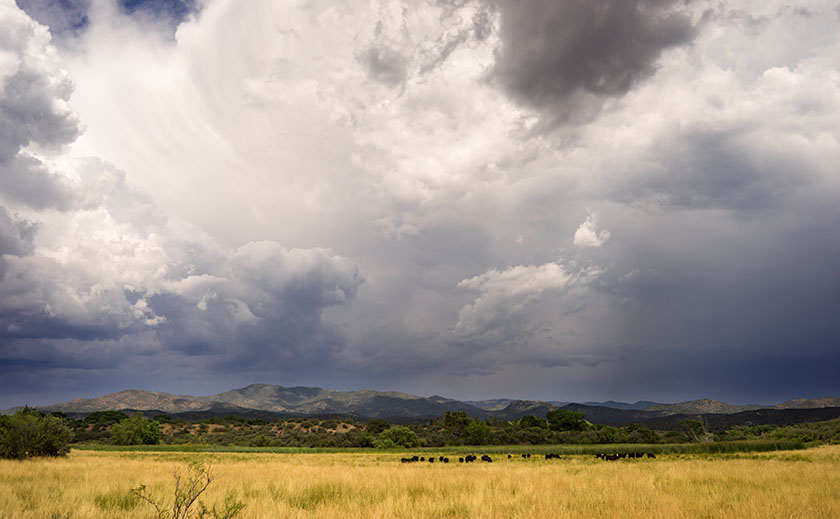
478	432
29	433
695	429
104	417
136	430
376	426
398	436
456	422
563	420
532	421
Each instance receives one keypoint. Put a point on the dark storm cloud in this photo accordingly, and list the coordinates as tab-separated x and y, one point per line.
563	58
267	311
715	305
716	169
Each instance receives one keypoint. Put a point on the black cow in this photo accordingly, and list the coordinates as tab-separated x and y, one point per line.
552	456
460	460
486	458
651	455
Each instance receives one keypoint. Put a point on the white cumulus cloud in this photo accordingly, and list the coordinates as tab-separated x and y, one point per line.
589	235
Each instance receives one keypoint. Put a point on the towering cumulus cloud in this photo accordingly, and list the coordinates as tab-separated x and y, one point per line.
93	275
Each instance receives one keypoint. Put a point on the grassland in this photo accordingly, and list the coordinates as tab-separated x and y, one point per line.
95	484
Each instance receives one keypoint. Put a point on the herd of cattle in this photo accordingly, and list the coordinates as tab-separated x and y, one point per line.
443	459
631	455
471	458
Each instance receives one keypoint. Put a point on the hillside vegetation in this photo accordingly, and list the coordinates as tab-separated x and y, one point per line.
451	429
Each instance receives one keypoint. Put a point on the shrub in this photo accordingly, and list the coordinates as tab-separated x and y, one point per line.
532	421
456	422
376	426
136	430
29	433
104	417
397	436
198	478
478	432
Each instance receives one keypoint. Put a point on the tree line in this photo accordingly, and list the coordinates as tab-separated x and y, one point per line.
30	433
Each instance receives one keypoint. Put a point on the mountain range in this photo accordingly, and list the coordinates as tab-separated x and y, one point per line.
266	401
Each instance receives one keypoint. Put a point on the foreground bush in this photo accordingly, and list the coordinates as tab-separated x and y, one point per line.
187	491
29	433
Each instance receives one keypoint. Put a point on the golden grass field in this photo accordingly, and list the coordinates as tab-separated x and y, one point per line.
95	484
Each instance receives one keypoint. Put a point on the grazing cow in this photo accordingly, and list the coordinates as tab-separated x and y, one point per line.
486	458
446	460
470	458
460	460
422	458
440	459
651	455
524	456
431	460
600	455
509	456
552	456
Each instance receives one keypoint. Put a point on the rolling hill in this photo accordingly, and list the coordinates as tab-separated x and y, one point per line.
273	401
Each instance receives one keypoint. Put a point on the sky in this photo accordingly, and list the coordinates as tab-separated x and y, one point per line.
562	200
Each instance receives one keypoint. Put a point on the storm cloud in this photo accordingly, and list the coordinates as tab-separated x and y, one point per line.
557	200
566	58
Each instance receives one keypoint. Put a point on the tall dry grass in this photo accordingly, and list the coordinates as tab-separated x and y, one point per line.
90	484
